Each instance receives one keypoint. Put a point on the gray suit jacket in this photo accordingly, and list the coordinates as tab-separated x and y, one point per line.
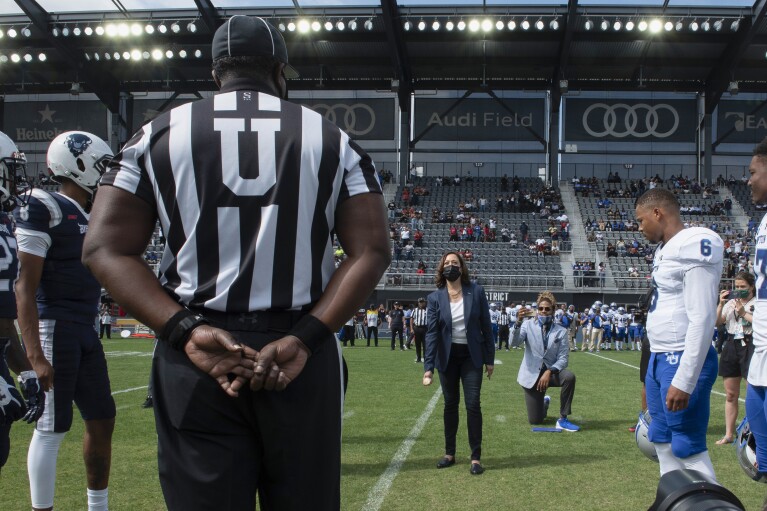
479	332
554	357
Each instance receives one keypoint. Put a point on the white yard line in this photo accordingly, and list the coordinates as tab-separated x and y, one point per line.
129	390
635	367
382	487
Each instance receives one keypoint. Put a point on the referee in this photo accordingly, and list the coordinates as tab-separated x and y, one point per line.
249	190
419	327
503	329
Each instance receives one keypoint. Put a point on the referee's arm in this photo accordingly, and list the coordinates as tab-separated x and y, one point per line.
119	229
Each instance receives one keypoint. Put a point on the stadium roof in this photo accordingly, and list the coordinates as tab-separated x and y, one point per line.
667	45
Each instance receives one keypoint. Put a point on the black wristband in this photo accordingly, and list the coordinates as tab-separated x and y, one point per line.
178	329
311	331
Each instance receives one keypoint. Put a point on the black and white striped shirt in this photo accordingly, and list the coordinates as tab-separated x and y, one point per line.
503	320
246	187
419	317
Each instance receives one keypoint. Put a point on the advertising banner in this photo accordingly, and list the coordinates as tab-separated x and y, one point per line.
630	120
741	122
33	121
361	118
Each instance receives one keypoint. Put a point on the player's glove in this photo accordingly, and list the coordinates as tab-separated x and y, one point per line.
12	406
34	394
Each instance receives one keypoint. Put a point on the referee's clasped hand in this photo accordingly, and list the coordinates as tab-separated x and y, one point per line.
279	363
217	353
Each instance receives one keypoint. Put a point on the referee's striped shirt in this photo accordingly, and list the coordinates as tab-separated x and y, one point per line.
246	187
503	320
419	317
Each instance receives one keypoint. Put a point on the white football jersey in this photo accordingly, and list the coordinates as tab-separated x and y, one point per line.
558	314
622	320
494	316
682	310
512	314
757	370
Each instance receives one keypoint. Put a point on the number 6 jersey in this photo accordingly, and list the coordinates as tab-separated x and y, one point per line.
682	310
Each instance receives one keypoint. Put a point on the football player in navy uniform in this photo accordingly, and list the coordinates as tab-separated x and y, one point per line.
683	364
12	406
58	301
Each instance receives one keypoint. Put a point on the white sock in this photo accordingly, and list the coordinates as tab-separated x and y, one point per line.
98	500
668	462
700	462
41	467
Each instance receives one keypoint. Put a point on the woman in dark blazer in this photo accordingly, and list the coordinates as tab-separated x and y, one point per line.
459	341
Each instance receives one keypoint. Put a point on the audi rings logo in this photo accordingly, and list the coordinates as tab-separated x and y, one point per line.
357	119
622	120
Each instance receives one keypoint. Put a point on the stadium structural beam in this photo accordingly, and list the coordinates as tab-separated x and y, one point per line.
395	36
722	73
555	96
209	14
101	82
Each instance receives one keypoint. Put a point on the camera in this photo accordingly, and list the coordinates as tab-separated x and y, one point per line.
737	293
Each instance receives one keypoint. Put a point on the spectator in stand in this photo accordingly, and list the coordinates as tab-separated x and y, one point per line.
408	250
468	255
397	250
523	229
457	180
453	233
504	183
418	238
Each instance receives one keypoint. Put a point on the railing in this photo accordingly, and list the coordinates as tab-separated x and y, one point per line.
396	280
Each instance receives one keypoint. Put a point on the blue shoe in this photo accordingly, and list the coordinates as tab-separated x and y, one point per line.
546	403
566	425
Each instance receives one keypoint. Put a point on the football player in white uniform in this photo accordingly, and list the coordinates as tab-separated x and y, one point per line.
756	393
621	321
681	314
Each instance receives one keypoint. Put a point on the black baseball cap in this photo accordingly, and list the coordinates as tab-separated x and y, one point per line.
251	36
422	299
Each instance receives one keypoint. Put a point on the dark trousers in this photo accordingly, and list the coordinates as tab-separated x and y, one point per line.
420	339
105	327
460	369
374	331
534	398
216	452
503	336
396	330
348	334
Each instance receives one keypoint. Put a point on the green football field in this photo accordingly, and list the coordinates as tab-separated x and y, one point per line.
393	437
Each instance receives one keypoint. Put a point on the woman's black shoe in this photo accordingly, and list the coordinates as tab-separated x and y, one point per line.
446	462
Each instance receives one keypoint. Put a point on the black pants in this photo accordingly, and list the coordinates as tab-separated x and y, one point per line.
394	331
216	452
348	334
461	370
534	398
420	339
105	327
374	331
503	336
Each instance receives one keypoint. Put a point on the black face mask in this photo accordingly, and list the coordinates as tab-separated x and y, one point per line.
451	273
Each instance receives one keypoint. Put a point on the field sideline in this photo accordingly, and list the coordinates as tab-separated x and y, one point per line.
393	437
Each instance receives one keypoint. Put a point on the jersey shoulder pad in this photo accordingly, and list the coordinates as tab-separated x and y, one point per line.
700	246
41	211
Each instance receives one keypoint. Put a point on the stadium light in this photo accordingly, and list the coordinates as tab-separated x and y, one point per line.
353	24
123	30
668	26
157	54
135	29
88	31
706	25
617	25
77	31
15	58
629	25
26	32
642	26
487	25
162	28
169	54
316	26
135	54
422	25
292	26
449	26
525	24
369	24
512	24
679	26
126	55
198	54
110	30
175	27
461	25
604	25
539	24
28	57
146	55
116	55
588	25
435	25
474	25
408	25
55	31
694	25
2	33
304	26
554	24
735	25
340	25
42	57
4	58
191	27
718	24
149	28
107	56
96	56
500	25
328	26
12	34
182	54
656	25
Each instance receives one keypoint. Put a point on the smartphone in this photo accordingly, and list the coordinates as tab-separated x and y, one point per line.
738	293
